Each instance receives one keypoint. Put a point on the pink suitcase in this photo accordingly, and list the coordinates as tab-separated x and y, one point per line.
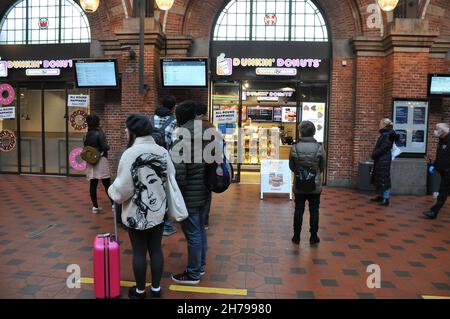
107	265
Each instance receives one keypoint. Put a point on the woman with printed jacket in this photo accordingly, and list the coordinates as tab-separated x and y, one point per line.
140	187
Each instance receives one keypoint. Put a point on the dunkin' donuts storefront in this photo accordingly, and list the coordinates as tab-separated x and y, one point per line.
268	88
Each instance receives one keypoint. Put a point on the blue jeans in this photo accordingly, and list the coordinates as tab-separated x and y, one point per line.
194	231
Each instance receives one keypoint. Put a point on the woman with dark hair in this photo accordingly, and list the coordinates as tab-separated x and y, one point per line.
96	138
307	161
140	187
382	157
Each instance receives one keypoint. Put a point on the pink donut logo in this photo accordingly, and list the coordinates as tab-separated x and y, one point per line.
6	94
75	160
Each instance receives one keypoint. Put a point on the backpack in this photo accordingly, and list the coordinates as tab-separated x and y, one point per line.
305	178
159	134
90	154
218	176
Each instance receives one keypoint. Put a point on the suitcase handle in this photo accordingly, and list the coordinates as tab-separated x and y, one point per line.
116	234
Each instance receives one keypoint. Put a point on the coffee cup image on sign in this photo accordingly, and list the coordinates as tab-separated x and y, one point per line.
224	65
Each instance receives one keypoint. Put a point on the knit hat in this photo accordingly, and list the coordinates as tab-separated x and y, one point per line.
139	125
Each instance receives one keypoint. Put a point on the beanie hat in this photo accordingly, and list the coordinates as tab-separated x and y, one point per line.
139	125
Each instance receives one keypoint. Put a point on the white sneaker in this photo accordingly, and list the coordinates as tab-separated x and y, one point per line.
95	210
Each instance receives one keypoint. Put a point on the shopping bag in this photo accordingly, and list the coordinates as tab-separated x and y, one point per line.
396	151
177	210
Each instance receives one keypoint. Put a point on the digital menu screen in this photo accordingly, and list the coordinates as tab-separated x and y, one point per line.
184	72
96	73
277	114
260	114
289	114
439	85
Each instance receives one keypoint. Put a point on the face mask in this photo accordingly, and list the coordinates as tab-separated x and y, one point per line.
436	133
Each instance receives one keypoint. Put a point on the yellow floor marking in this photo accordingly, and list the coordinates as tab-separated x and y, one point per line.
435	297
209	290
179	288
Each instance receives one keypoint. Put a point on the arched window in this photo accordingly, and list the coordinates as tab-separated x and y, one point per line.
44	22
271	20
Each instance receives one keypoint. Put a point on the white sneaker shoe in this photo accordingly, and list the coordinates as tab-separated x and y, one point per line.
95	210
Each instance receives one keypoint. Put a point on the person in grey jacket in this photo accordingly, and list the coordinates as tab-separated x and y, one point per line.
307	154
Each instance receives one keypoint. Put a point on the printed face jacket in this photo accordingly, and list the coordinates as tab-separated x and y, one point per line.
140	185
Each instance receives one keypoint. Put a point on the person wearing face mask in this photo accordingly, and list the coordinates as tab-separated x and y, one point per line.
382	157
442	166
144	169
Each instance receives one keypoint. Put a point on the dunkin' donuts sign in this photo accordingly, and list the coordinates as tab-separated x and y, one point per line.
225	65
36	64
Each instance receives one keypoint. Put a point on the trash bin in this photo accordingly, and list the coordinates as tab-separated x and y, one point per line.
433	182
364	177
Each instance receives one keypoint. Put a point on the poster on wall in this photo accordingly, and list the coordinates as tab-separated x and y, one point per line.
225	116
411	123
315	112
7	141
276	177
78	100
7	112
78	120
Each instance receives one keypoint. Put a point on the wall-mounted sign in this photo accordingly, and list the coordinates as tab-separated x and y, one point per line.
315	113
75	160
276	177
265	66
7	94
8	112
78	100
289	114
270	19
276	71
78	120
411	123
43	23
43	72
3	69
225	116
7	141
266	93
37	64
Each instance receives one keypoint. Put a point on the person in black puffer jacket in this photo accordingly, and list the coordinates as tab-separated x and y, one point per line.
382	157
190	175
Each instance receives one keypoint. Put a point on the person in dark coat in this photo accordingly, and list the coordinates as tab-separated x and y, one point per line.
382	157
442	166
190	175
307	153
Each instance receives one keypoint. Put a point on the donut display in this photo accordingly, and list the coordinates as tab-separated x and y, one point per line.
75	160
78	120
7	94
7	141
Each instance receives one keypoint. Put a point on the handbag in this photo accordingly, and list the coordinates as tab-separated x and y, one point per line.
91	155
176	206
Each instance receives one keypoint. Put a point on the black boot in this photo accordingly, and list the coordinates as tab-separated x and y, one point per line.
296	239
384	202
430	215
314	239
377	199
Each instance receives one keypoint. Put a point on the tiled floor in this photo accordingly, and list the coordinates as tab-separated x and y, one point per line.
46	224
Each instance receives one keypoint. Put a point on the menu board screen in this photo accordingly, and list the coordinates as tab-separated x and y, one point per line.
96	73
260	114
289	114
439	85
277	114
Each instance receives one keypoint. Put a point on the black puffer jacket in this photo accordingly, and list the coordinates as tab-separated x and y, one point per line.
382	157
97	139
191	176
442	162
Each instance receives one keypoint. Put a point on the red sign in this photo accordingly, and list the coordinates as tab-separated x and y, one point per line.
270	19
43	23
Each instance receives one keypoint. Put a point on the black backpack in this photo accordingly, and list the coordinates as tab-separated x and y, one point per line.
159	134
305	177
218	176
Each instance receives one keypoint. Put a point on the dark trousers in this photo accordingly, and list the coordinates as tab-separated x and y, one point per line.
314	203
143	241
93	190
443	192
